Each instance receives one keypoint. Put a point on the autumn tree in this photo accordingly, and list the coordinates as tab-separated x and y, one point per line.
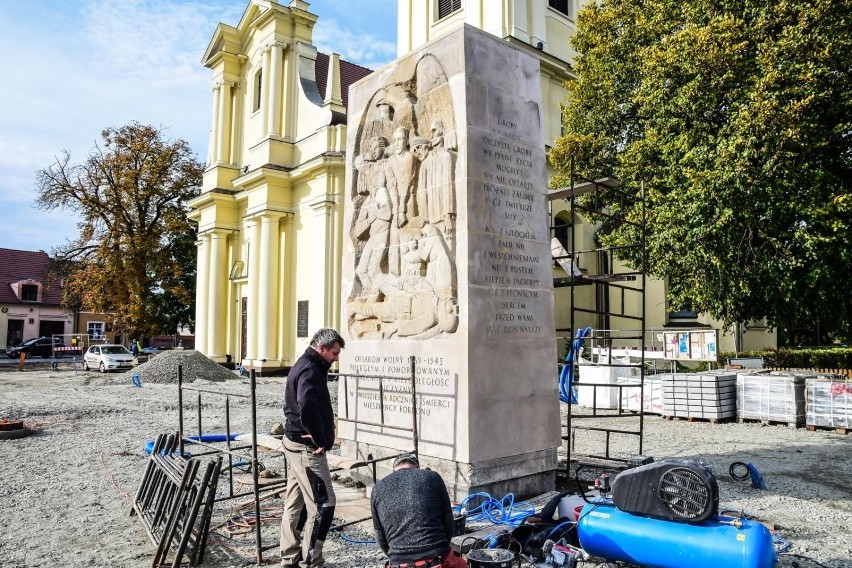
737	116
134	255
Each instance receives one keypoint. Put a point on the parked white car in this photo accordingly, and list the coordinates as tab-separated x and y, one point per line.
107	358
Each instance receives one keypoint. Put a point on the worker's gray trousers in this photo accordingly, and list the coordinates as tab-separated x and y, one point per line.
308	489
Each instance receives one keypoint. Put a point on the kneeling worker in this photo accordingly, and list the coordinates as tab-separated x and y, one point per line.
412	517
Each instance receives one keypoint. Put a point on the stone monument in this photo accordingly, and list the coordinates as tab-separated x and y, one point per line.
447	258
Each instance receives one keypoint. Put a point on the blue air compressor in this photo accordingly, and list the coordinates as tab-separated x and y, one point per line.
665	515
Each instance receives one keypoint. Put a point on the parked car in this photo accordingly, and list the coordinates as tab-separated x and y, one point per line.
152	350
107	357
36	347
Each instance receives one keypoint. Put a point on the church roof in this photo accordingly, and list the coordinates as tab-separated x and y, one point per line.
349	73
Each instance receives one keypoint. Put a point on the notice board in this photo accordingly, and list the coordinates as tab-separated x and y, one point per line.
692	345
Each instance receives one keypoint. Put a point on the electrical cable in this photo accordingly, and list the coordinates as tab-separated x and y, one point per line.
96	444
355	540
741	471
559	526
811	560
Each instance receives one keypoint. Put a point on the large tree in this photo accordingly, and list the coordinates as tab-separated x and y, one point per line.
134	254
737	116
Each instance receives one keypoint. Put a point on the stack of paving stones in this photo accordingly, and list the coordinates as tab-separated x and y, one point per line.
829	402
704	396
776	396
162	368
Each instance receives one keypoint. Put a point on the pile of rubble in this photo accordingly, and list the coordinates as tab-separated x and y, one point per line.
162	368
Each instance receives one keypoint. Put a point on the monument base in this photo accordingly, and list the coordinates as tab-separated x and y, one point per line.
525	475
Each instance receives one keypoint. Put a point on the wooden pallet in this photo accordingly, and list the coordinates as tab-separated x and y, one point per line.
792	425
697	419
835	429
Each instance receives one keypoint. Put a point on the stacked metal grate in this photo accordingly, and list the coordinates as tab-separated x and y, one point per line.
829	402
710	396
772	396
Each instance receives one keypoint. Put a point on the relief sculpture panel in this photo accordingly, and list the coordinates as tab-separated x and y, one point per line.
404	197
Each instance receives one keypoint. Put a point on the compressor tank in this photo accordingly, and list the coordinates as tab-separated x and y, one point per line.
607	532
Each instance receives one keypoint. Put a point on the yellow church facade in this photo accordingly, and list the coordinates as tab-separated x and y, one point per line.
270	211
270	215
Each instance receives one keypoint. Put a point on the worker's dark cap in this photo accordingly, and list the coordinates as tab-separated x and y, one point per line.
406	458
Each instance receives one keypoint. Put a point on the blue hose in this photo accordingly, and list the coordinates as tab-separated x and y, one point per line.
499	512
209	438
567	392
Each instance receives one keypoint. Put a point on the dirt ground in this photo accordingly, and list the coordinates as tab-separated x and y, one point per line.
65	492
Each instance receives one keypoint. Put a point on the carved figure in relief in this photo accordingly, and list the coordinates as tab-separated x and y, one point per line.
434	99
435	193
443	160
413	265
402	175
404	225
412	305
381	123
374	218
436	254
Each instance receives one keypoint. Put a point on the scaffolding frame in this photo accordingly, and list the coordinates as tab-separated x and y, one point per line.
631	331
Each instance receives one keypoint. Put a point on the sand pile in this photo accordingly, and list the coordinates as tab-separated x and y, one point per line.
162	368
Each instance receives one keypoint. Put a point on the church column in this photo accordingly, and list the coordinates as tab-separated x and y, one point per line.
268	287
338	190
201	293
273	86
216	330
538	19
324	211
289	106
213	151
224	123
285	314
254	273
266	76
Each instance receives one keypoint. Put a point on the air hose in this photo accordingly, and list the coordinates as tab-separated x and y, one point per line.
567	392
499	512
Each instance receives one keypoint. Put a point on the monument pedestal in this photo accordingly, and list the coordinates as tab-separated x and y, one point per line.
448	260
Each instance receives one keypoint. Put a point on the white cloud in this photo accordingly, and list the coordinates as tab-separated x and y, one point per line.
364	49
75	67
160	41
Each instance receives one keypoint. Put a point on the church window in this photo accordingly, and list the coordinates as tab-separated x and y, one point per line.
447	7
562	6
258	89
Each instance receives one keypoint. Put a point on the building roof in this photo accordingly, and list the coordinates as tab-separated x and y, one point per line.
17	265
349	73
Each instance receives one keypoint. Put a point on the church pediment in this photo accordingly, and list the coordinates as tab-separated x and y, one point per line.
225	39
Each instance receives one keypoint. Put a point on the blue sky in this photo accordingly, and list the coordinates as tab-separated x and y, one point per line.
75	67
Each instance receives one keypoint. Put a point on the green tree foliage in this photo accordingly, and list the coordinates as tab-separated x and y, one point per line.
737	115
134	256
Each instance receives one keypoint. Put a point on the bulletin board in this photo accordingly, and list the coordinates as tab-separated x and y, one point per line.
692	345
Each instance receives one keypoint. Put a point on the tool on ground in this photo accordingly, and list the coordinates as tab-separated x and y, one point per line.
742	471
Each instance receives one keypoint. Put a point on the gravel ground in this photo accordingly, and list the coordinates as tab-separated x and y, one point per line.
66	491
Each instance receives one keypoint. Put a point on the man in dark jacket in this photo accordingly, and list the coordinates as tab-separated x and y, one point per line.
412	517
308	434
